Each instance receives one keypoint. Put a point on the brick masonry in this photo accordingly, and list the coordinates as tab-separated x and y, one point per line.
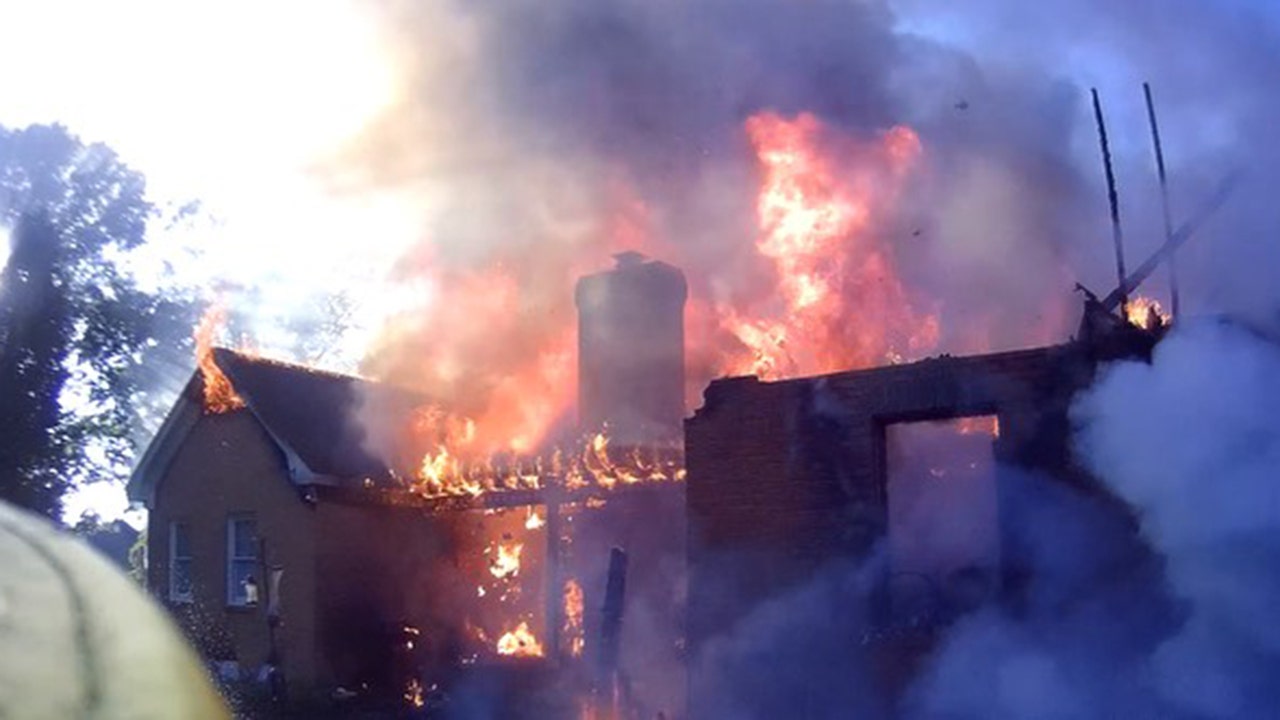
787	476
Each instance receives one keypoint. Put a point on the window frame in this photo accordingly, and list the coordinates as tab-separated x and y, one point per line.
234	598
175	596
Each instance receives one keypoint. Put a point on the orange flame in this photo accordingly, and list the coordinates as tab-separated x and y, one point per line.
1144	312
506	562
520	643
511	391
219	394
573	604
979	425
443	472
842	302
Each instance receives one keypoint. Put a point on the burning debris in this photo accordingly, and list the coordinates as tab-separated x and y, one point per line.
1145	312
520	643
445	474
505	563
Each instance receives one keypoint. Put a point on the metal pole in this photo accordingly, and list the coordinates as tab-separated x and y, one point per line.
1164	198
1116	234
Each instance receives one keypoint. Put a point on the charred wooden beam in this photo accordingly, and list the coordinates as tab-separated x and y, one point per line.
489	500
554	608
611	622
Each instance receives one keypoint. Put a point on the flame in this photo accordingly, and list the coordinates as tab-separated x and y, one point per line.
842	302
512	391
219	394
573	605
520	643
506	562
979	425
1143	311
443	472
534	520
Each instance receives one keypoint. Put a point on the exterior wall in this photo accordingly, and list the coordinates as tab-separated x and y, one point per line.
785	477
228	464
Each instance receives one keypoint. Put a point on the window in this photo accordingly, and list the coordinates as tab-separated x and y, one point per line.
242	561
179	563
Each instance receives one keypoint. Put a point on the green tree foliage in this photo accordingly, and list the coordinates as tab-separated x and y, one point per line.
80	335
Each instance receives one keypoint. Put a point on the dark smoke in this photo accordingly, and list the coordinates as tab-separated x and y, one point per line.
544	135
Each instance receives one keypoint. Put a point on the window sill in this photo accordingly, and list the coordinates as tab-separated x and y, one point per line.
244	609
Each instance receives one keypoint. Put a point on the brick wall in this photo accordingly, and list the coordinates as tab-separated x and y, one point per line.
787	476
227	465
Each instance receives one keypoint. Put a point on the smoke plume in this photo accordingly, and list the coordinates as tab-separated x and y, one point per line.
542	137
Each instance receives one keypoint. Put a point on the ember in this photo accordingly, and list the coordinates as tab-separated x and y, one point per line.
534	520
413	694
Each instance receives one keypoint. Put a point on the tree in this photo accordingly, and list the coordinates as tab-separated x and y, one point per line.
80	335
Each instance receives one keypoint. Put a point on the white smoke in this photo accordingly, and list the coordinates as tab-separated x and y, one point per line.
6	247
1190	442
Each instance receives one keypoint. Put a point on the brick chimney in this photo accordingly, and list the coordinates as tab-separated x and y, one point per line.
631	351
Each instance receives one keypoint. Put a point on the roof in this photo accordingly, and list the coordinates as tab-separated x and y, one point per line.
311	415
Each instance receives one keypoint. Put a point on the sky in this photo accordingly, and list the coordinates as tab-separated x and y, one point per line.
232	104
240	104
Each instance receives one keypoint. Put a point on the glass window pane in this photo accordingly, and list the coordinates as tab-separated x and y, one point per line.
181	545
241	573
181	582
244	543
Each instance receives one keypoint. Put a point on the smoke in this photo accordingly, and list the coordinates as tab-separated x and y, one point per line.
1190	443
540	138
543	137
5	247
1152	599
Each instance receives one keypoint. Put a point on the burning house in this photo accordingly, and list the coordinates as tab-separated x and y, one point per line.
843	495
279	538
282	535
912	471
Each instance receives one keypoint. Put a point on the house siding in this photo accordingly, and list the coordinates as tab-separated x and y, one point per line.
229	465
